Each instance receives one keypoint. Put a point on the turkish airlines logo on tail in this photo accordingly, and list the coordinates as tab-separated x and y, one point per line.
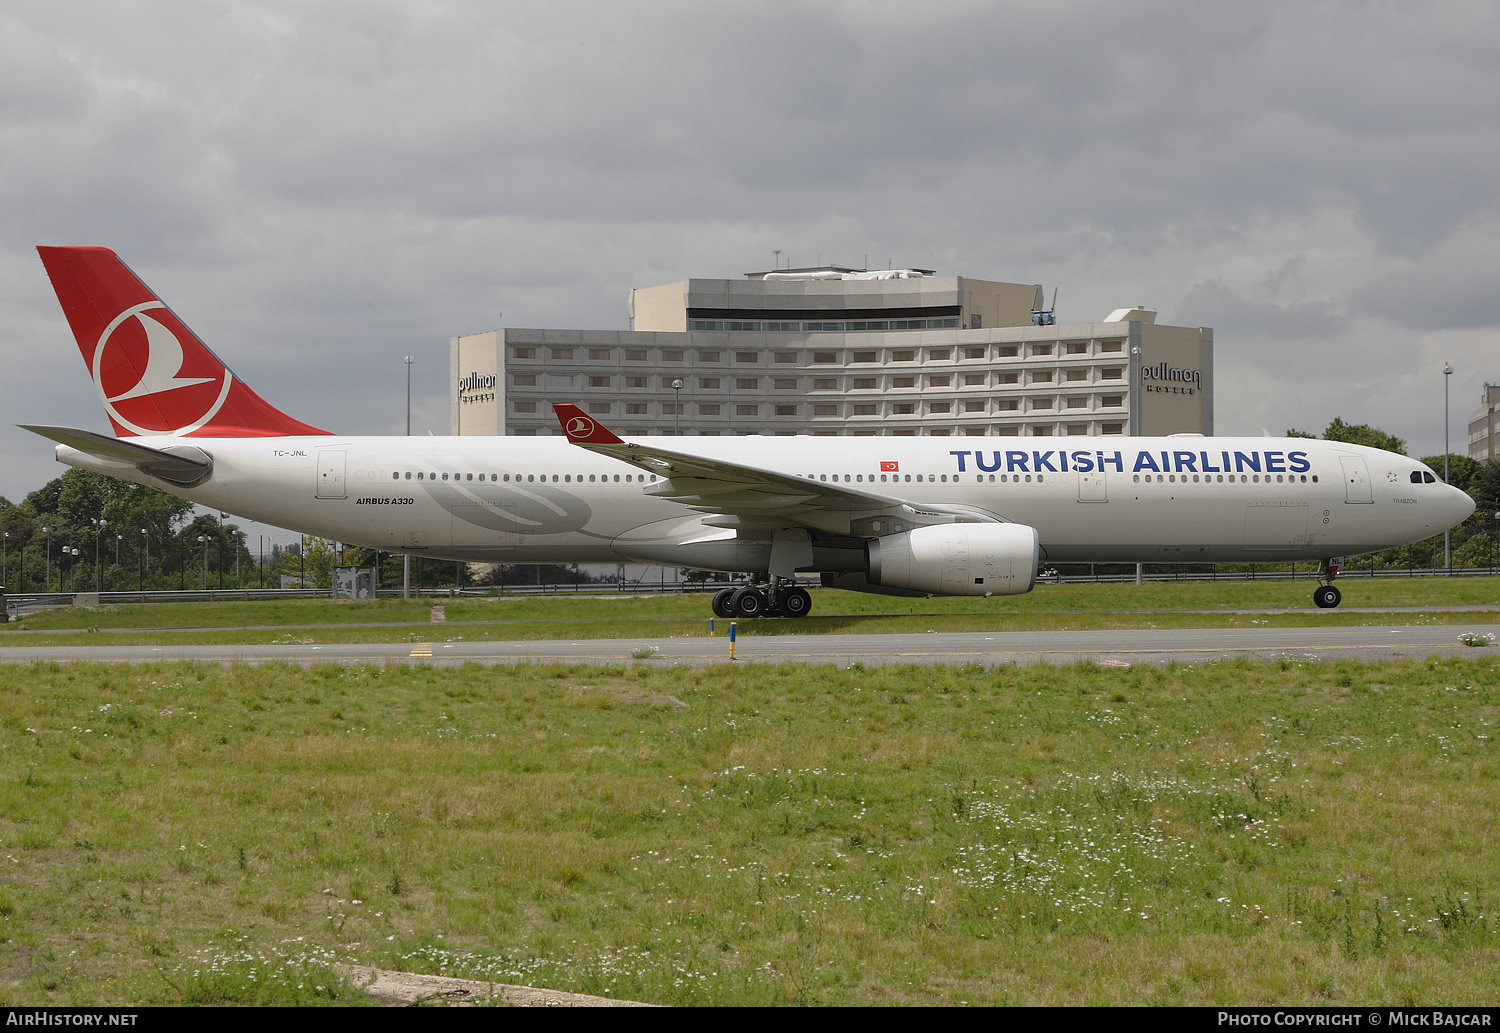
148	381
580	427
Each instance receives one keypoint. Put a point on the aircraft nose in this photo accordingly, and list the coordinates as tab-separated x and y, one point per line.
1460	507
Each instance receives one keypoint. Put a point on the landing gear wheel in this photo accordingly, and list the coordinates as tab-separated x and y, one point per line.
795	602
747	602
1327	597
721	603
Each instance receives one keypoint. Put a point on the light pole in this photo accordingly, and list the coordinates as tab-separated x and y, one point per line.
677	408
48	532
73	566
1448	534
406	559
146	544
118	539
4	549
205	539
98	574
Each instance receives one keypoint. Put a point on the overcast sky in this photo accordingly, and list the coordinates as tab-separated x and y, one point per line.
319	189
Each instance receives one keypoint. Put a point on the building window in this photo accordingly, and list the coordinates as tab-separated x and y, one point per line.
1042	431
1111	374
598	354
1042	403
1008	378
747	410
746	384
708	356
708	410
598	381
671	355
1076	429
671	409
1076	375
938	354
865	383
904	356
1009	351
1112	346
942	381
940	408
938	432
974	432
1009	430
562	353
1114	428
825	410
974	379
825	384
746	356
599	407
1041	349
708	383
1077	403
903	381
864	356
786	383
635	355
976	352
823	358
635	381
864	409
635	408
1041	376
904	408
1112	401
1008	404
523	353
786	357
525	407
524	380
975	405
1078	347
560	380
786	410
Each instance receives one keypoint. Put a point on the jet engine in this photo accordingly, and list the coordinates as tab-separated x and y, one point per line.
956	559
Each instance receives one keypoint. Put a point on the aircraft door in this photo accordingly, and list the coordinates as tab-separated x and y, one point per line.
1356	479
1092	486
331	474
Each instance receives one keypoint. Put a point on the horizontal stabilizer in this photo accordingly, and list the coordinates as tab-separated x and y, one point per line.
184	465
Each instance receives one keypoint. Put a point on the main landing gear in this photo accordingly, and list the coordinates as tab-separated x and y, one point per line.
769	600
1325	596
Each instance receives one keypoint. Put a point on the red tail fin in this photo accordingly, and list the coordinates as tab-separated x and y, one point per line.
153	374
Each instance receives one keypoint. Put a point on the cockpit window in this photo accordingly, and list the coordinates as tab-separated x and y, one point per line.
1428	477
1416	476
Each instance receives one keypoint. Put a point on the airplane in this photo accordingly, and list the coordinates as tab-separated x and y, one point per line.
917	516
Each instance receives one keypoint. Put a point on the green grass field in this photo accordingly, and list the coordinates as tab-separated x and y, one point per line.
1233	833
1185	604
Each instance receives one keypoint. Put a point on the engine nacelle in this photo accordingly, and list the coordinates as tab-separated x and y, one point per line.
957	559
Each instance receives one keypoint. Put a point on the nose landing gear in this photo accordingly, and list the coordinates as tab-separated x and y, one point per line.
1325	596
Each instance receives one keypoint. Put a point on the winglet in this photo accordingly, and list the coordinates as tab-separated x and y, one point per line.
583	429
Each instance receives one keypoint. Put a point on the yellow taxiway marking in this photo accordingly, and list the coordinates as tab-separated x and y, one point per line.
421	649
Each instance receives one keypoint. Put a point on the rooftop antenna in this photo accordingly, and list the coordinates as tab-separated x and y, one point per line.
1043	316
777	253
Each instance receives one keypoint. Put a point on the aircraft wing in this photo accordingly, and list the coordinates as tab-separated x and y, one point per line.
742	496
182	464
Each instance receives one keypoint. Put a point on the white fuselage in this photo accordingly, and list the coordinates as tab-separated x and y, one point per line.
527	500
